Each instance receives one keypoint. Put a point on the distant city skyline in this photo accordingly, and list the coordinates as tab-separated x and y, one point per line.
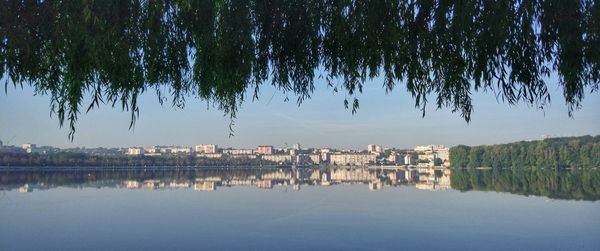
384	119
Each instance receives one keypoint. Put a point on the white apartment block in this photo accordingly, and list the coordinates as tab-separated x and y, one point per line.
171	149
135	151
177	150
351	159
433	148
239	151
206	148
279	158
209	155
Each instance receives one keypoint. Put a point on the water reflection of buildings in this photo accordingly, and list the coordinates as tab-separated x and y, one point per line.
432	179
375	179
25	189
205	186
209	180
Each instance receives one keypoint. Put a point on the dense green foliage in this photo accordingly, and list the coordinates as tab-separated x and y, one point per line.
83	160
552	183
111	51
572	152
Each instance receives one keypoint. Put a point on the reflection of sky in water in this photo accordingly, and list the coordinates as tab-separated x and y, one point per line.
339	217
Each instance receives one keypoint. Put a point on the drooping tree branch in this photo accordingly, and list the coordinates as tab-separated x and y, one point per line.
111	51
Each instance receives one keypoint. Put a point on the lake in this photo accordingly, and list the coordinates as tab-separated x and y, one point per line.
299	209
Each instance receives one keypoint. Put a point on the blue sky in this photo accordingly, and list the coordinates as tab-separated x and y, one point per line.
388	119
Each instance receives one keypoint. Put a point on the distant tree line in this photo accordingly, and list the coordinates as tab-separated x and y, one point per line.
569	152
87	160
552	183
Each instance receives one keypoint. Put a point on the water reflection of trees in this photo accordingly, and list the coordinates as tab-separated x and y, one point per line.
556	184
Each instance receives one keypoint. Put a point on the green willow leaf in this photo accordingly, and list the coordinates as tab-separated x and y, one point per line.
112	51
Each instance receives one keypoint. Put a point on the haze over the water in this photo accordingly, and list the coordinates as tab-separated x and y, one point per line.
386	119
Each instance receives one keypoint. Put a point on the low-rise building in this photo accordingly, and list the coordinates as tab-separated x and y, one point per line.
423	148
29	148
351	158
152	150
171	150
239	151
135	151
164	149
244	156
265	149
209	155
181	150
206	148
437	151
278	158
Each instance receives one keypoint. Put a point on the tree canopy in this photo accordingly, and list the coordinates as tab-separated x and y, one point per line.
570	152
111	51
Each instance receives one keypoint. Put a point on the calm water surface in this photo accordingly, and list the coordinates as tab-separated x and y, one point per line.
349	209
